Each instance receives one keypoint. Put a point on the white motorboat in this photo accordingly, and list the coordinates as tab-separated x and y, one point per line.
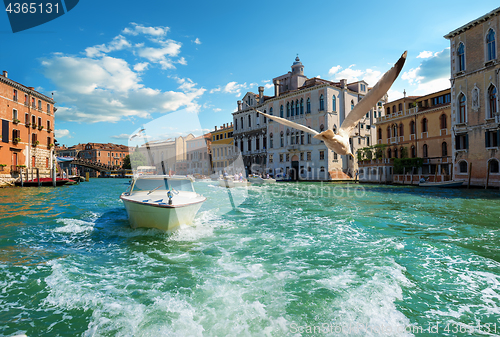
162	202
230	182
260	180
450	183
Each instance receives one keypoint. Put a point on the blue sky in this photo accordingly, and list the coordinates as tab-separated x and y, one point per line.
116	65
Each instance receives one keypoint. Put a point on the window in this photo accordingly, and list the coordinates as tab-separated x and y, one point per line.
301	156
308	106
26	101
412	127
462	142
308	138
492	101
393	109
302	137
33	102
388	112
281	111
271	141
308	156
321	155
297	107
271	111
14	96
400	107
352	104
490	46
33	120
388	132
301	106
379	133
424	125
48	126
293	110
282	140
33	138
257	144
14	114
442	121
322	169
48	141
48	109
287	157
493	166
39	121
444	149
236	124
321	103
492	138
389	153
288	109
265	120
461	109
401	130
321	127
39	105
270	158
462	166
424	150
281	157
395	153
249	121
395	130
413	151
249	145
241	119
461	57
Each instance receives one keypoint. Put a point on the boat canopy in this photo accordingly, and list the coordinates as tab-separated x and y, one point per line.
148	183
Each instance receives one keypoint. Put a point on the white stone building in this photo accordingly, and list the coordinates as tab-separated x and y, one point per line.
316	103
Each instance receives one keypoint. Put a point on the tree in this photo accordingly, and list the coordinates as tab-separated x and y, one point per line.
126	163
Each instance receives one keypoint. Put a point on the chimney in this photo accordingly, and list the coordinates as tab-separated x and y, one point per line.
261	95
276	88
239	105
224	125
343	83
5	74
216	128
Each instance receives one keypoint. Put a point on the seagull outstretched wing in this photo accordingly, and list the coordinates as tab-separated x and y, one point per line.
289	123
371	98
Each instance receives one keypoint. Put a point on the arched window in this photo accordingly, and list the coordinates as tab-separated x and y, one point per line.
412	128
395	153
490	46
302	137
461	109
462	166
271	111
293	109
282	140
388	132
401	130
389	153
297	107
281	111
321	127
334	103
425	154
494	166
388	111
413	151
308	106
393	109
400	107
301	106
379	133
292	138
492	101
241	122
394	130
321	103
271	140
442	120
352	104
402	151
461	57
288	109
249	121
424	125
444	149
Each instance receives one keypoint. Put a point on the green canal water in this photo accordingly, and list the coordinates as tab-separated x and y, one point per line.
305	259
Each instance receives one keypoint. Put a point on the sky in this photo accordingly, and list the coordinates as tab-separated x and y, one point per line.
114	66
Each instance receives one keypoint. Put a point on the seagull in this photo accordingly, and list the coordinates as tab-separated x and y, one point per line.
339	142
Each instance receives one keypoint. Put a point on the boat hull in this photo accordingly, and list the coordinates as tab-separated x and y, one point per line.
448	184
232	183
162	217
259	180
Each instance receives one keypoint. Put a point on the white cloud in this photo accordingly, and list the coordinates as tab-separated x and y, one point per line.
268	86
431	75
425	54
62	133
118	43
140	29
122	136
217	109
141	66
100	87
197	41
233	88
334	70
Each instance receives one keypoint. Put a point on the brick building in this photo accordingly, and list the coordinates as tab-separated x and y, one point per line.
475	80
27	138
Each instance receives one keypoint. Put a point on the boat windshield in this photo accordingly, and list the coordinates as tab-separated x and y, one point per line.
163	185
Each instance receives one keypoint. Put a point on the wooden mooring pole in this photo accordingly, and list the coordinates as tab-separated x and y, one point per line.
470	173
487	175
